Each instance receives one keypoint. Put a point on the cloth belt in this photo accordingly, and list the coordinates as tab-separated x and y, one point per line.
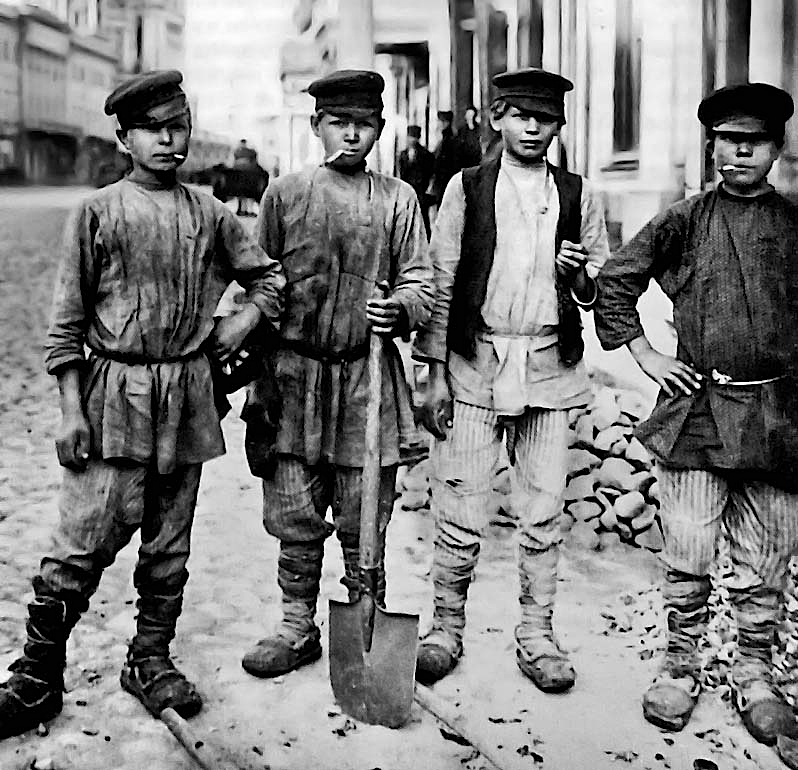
325	357
726	380
135	359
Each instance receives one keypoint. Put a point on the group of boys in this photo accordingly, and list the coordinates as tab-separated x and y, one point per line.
518	251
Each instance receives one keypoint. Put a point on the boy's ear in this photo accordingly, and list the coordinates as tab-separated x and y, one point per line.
314	124
380	127
121	135
496	124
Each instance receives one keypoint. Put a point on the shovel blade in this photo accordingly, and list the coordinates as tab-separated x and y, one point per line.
374	685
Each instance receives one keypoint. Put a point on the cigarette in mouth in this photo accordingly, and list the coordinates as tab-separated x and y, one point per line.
337	154
728	167
178	156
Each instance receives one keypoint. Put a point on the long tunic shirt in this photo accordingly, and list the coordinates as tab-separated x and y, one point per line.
517	363
729	266
336	235
142	271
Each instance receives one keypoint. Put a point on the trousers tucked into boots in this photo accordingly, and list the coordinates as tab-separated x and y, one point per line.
538	652
671	698
764	712
441	648
34	693
296	640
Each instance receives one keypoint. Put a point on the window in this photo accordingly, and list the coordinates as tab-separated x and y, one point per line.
628	44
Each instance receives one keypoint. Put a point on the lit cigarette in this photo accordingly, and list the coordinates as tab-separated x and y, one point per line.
178	156
337	154
728	167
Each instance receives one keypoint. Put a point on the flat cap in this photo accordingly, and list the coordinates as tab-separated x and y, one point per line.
349	89
414	131
534	90
148	99
445	115
763	101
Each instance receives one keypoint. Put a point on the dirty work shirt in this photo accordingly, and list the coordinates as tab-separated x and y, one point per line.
337	234
142	271
517	364
729	266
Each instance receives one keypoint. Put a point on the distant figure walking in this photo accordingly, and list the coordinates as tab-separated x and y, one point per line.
416	165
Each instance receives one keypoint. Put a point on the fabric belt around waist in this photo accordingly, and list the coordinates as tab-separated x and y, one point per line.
727	381
307	350
135	359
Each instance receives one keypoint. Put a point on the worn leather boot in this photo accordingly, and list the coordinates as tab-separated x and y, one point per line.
441	648
34	692
670	699
764	712
538	653
297	641
149	673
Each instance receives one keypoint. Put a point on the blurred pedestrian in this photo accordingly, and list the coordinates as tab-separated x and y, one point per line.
144	264
469	142
511	249
724	431
447	159
416	164
340	230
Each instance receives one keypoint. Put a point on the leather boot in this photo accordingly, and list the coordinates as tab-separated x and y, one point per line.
441	648
671	698
538	653
149	673
297	640
34	692
764	712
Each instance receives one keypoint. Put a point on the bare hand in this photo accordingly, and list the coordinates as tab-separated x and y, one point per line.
437	411
231	331
570	260
74	442
668	372
384	315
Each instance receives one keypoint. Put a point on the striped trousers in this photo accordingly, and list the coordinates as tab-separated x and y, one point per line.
760	522
464	465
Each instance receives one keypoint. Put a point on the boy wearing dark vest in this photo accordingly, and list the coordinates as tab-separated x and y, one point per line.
724	431
514	246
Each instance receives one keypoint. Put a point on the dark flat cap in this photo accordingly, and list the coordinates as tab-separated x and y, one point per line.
757	100
414	131
535	90
445	115
148	99
348	89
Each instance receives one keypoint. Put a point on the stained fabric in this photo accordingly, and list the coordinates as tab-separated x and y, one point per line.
141	274
336	236
728	264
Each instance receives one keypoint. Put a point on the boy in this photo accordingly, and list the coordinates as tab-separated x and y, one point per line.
145	263
504	347
339	231
724	431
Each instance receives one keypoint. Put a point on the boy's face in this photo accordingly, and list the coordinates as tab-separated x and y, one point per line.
161	148
743	158
347	138
526	135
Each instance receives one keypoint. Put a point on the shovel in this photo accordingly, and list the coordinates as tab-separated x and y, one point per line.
372	651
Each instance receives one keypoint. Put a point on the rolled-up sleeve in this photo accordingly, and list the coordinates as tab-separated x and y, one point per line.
593	232
72	300
430	343
261	276
414	286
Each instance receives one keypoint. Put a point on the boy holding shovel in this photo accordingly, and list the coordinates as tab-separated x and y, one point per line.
339	230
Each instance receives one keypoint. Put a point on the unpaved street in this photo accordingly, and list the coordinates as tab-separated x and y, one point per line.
608	613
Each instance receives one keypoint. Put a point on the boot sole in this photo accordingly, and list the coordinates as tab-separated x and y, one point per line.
186	711
27	723
528	670
303	660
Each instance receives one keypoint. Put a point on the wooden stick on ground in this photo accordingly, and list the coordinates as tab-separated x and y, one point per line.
456	721
207	757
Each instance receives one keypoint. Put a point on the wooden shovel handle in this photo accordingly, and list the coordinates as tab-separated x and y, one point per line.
370	490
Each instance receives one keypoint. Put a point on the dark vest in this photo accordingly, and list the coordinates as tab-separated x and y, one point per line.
476	259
